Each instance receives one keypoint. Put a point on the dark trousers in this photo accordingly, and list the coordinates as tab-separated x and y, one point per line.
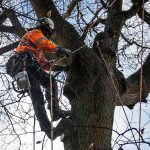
38	78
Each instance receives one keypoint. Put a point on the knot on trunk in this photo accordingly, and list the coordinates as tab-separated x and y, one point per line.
104	42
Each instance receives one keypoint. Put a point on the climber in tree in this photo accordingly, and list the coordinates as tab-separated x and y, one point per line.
29	55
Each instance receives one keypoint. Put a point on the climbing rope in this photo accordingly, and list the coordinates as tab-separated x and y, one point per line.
57	61
51	101
141	72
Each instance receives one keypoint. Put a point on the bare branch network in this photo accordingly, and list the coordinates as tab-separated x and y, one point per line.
112	32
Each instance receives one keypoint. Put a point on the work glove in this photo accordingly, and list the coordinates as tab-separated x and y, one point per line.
61	50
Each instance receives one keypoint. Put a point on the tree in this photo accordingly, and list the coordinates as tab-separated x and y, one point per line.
94	85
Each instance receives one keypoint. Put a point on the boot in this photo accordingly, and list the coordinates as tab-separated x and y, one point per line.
57	112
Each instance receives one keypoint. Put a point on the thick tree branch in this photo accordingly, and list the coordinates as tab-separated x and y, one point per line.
3	17
132	95
15	29
124	15
66	34
7	48
8	29
15	22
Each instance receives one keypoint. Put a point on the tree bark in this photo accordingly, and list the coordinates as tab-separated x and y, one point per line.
91	81
91	95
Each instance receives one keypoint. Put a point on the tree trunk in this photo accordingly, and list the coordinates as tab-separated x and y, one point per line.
93	101
91	91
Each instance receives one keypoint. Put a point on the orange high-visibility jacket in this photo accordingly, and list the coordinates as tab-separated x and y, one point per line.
36	42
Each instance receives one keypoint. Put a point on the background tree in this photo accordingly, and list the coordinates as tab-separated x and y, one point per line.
112	30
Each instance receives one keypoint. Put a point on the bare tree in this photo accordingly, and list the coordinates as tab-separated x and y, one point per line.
114	32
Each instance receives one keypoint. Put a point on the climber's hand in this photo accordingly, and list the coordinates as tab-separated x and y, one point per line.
61	50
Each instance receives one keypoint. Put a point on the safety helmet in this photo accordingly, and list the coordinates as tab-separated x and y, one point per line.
46	25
